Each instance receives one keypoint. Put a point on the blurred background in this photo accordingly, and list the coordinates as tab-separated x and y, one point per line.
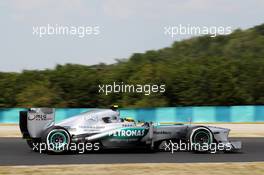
65	71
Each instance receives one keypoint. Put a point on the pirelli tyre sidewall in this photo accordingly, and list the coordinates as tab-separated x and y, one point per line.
57	139
198	138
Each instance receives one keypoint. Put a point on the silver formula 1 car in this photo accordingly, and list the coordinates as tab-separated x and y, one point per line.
105	129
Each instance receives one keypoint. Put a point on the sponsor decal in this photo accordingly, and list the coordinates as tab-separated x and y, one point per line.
127	125
91	127
131	132
39	117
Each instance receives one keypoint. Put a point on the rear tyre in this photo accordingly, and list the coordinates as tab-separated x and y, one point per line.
57	139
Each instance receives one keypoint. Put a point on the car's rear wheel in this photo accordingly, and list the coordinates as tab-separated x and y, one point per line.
57	139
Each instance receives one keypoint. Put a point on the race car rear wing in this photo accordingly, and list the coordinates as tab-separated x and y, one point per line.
35	120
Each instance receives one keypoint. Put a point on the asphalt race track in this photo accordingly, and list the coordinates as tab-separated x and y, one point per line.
14	151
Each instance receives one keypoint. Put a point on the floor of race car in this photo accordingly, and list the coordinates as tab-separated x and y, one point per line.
14	151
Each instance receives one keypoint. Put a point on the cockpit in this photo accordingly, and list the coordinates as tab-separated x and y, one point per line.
111	119
104	117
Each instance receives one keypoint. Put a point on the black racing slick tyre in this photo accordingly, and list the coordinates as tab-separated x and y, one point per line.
56	139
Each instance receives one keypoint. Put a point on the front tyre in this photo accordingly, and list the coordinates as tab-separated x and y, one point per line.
201	139
57	139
